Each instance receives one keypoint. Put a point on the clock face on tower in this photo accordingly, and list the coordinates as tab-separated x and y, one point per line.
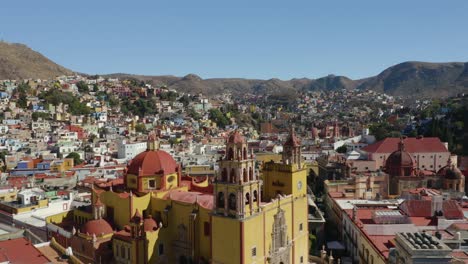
299	185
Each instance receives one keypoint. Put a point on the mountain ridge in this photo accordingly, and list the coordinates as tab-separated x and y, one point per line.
407	79
18	61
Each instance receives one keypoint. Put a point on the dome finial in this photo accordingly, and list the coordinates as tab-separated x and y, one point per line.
152	141
401	144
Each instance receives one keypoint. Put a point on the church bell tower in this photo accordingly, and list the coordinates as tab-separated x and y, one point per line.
237	188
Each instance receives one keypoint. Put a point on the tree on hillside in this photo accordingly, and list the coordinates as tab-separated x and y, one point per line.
23	90
218	117
82	87
76	158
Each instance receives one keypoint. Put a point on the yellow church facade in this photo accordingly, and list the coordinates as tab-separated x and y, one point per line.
158	216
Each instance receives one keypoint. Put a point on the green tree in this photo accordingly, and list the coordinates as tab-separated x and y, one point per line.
140	128
36	115
22	91
76	158
342	149
218	117
82	87
185	99
22	101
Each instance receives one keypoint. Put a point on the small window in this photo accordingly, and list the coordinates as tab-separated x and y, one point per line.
254	251
161	249
152	184
300	227
207	228
302	259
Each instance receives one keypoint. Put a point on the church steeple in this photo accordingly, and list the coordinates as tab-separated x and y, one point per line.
237	187
292	149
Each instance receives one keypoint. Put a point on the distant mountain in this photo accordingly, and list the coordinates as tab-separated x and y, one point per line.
421	79
17	61
409	79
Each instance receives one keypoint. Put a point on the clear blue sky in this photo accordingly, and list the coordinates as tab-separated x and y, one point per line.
241	38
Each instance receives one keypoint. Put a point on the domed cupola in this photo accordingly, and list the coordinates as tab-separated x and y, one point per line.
152	170
450	172
400	162
97	227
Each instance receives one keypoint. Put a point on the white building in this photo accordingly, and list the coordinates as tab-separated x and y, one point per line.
128	151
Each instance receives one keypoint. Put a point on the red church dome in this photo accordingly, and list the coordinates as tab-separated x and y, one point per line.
152	162
236	138
97	227
400	162
450	172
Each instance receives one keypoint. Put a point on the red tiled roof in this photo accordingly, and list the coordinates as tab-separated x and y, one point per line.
383	243
423	208
423	221
21	250
452	210
460	226
204	200
412	145
417	208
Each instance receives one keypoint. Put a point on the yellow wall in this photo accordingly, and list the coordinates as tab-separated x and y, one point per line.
9	196
67	164
14	210
172	181
254	236
58	218
285	179
132	181
226	240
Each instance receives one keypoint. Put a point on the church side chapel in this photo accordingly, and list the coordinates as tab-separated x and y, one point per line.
155	215
404	174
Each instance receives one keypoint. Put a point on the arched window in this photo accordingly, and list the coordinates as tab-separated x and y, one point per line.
255	196
246	176
232	202
429	184
247	198
232	176
220	200
251	174
230	155
224	175
245	153
122	251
